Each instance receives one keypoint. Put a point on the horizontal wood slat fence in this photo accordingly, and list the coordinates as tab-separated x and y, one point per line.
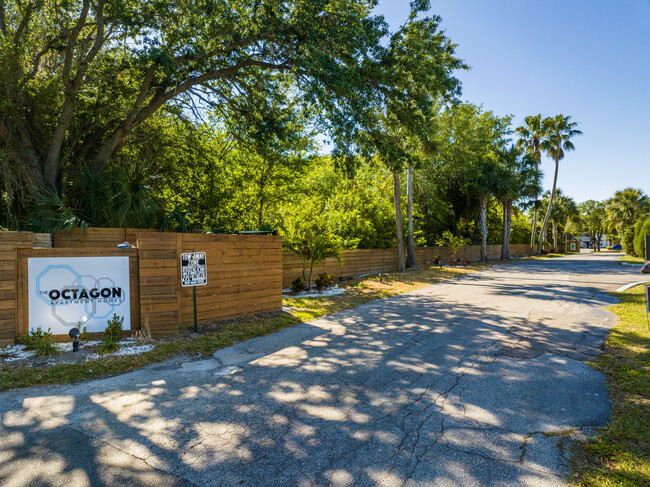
246	273
358	262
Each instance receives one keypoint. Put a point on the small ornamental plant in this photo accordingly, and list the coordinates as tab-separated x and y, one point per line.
40	341
111	335
298	284
324	280
85	337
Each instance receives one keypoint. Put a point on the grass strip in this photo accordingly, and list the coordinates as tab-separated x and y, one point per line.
619	455
213	337
632	260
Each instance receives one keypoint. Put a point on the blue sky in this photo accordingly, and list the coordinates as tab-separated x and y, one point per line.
586	58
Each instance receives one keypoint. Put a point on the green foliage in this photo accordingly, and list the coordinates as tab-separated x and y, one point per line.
641	228
40	341
627	242
314	242
112	333
452	242
626	207
324	280
121	196
176	221
593	220
84	336
298	284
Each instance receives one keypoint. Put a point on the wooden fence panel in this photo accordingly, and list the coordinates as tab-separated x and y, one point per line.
97	237
159	299
244	276
9	242
357	262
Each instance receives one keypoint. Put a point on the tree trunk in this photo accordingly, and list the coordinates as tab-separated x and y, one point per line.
507	226
483	225
397	194
533	234
548	210
410	259
554	236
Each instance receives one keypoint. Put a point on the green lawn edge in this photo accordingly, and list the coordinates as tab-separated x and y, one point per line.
619	454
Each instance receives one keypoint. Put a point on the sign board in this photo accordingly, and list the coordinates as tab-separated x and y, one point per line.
68	292
647	298
572	246
194	270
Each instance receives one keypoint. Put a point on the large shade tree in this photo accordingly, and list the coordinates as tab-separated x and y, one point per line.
416	70
468	140
559	132
79	77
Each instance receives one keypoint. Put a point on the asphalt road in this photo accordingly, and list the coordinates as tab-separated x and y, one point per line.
480	381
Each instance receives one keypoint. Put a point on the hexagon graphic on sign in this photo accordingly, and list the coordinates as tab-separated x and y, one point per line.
69	295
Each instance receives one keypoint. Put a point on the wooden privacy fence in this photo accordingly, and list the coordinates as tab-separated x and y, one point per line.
244	274
9	242
372	261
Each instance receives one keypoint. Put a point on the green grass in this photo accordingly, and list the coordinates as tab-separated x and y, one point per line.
219	335
545	256
620	453
632	260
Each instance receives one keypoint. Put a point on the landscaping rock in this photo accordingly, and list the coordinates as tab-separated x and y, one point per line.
646	268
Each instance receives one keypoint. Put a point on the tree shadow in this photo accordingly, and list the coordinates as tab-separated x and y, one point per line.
408	389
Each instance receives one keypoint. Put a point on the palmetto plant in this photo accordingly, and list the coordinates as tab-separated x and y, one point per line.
559	132
122	196
531	135
626	207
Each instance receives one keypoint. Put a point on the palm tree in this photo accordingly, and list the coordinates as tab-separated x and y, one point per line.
518	179
564	209
559	132
531	136
626	207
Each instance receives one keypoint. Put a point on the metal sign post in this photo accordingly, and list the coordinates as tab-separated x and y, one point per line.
194	272
647	248
647	305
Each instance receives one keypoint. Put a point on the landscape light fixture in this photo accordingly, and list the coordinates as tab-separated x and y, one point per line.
75	334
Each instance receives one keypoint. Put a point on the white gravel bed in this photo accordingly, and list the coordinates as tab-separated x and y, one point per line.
313	293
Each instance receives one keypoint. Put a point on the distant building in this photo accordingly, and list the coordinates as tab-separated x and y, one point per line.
586	243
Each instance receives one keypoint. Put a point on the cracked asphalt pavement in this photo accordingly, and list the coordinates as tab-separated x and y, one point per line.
478	381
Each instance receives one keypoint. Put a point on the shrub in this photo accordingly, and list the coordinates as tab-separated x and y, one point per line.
84	336
41	342
324	280
452	242
111	335
641	227
628	241
298	284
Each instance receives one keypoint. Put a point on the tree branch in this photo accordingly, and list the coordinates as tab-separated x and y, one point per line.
36	64
23	23
3	26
